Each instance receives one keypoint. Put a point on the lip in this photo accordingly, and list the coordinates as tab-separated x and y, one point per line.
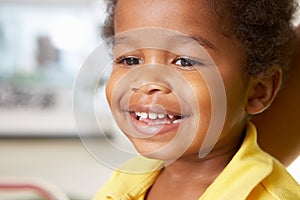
151	127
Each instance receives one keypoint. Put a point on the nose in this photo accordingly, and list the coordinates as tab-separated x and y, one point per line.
152	88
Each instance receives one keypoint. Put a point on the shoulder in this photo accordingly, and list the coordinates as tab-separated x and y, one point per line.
131	179
279	184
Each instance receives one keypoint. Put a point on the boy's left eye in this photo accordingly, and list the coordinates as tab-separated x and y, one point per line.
187	63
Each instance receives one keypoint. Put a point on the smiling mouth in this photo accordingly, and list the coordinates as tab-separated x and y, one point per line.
154	119
151	123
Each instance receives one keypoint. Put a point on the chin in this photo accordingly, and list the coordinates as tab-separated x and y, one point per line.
157	152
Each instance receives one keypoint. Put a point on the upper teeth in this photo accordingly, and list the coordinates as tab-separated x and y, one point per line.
144	115
153	115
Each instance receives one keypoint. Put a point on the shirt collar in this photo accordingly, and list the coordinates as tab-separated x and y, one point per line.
248	167
141	172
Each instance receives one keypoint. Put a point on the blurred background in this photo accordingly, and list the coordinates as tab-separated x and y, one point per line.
43	44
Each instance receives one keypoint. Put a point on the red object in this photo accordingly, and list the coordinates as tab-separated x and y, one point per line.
39	190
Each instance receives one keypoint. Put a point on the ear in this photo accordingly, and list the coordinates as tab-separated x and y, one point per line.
264	90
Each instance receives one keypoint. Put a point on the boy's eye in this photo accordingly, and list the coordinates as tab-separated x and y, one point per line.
187	63
129	61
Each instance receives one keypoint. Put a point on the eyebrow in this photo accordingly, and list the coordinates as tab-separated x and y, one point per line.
184	38
118	40
202	41
124	39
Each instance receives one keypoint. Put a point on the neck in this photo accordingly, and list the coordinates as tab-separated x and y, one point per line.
204	169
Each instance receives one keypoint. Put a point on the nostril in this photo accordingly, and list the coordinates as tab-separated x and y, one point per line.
154	91
151	91
135	89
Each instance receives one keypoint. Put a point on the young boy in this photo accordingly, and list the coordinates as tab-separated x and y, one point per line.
165	95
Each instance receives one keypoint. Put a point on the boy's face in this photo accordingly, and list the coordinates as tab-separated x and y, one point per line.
149	92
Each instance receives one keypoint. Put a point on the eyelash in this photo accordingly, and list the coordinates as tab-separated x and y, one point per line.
190	63
126	59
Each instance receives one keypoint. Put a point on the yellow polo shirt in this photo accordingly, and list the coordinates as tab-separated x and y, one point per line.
251	174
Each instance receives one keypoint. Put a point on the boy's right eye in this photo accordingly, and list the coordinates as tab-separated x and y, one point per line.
130	60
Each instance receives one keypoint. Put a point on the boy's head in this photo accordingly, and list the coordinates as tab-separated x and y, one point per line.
248	45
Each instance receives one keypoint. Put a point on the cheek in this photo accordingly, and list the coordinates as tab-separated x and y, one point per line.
236	91
109	90
204	103
232	111
203	114
111	85
202	93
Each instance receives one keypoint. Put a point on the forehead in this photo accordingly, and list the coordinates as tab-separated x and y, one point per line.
180	15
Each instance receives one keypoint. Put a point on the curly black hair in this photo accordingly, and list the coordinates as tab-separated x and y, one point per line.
263	27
